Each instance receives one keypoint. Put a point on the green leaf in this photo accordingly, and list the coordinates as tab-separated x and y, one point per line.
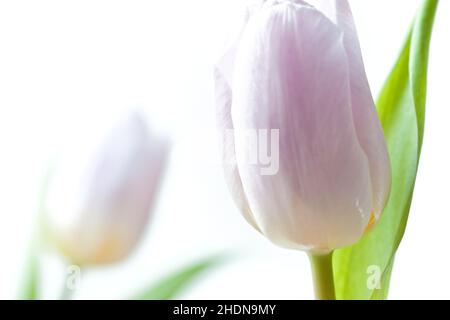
382	292
401	108
30	286
31	275
170	286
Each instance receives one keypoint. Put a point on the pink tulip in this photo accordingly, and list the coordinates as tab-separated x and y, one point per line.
105	206
296	70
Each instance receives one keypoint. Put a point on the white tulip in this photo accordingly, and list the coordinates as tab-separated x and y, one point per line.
97	209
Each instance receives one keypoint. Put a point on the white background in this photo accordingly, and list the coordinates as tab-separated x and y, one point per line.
68	67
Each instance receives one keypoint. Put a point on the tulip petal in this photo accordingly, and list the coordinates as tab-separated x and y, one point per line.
367	124
223	74
109	199
124	182
291	75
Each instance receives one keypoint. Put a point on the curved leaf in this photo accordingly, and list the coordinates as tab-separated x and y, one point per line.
401	108
170	286
31	276
30	287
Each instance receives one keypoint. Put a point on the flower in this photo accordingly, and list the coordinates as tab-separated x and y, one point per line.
296	71
97	209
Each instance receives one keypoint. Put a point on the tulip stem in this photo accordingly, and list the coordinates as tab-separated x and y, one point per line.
322	272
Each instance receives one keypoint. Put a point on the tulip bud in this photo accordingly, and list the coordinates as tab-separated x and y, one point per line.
296	70
97	209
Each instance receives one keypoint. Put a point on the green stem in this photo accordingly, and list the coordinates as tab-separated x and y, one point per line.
322	272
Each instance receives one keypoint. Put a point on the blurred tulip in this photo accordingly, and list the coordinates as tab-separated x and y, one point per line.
296	70
106	196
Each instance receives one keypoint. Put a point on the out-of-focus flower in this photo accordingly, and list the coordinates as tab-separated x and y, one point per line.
97	208
296	71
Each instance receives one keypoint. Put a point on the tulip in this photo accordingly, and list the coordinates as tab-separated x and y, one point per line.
296	70
106	206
